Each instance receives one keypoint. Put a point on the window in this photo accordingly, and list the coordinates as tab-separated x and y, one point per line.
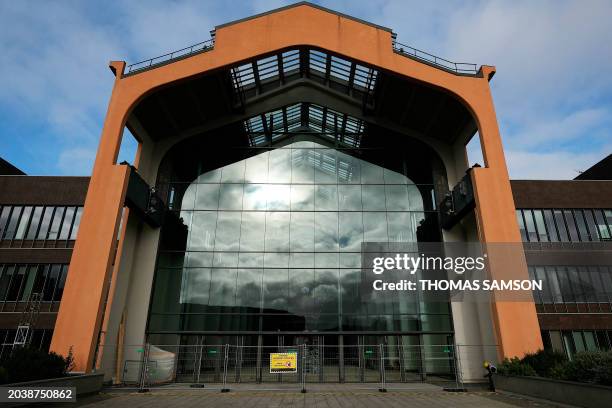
582	229
23	224
603	229
276	239
12	223
550	225
19	281
561	227
564	225
39	223
44	224
539	219
532	234
33	230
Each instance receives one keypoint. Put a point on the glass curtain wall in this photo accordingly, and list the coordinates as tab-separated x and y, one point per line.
273	246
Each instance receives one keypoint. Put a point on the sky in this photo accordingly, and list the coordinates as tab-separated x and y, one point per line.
552	89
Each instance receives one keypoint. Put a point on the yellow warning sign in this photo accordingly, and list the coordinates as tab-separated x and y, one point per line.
283	363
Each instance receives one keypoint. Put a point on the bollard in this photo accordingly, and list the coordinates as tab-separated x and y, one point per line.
381	355
225	360
303	371
144	372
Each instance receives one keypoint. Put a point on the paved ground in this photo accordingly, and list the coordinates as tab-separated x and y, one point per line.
353	398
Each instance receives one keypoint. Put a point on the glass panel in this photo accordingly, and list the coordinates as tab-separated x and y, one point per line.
207	197
231	197
16	284
257	169
592	226
57	222
578	341
571	226
373	197
375	227
350	232
530	225
602	228
41	277
77	222
5	281
565	285
589	341
29	283
397	198
202	232
349	197
302	232
45	222
248	288
608	215
12	223
280	166
539	219
4	215
67	223
554	285
51	282
550	225
546	294
23	223
349	169
302	197
402	226
326	198
59	291
223	287
278	197
252	231
371	173
326	231
521	223
277	231
576	283
325	166
582	229
276	289
195	288
234	173
227	237
563	236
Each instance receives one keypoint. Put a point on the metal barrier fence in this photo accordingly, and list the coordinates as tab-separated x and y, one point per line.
229	366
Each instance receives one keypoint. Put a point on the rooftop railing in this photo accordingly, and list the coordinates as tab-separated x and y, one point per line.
171	56
465	68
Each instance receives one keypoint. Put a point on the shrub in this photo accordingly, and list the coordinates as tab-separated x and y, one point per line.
515	366
587	366
27	364
544	361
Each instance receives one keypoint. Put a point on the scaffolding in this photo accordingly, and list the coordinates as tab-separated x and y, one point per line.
27	321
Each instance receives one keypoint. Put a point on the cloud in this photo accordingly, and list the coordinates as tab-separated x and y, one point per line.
552	89
551	165
76	161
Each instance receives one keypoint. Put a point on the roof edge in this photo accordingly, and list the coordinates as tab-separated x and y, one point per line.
303	3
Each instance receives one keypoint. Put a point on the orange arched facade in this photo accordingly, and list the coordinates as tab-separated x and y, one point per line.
80	316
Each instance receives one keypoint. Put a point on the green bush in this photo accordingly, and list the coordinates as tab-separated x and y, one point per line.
587	366
544	361
515	366
26	364
3	376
